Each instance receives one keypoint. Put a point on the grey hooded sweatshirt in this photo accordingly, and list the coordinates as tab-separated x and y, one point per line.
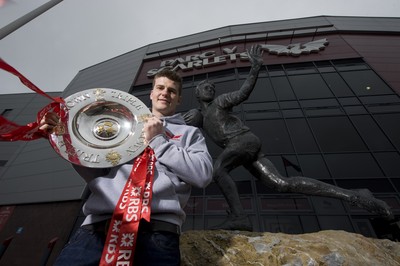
182	161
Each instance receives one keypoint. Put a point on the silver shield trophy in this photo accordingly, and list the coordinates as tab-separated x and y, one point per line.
102	128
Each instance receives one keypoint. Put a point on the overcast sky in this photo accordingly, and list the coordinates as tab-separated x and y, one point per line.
76	34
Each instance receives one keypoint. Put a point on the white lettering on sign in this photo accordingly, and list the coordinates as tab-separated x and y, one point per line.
211	58
198	61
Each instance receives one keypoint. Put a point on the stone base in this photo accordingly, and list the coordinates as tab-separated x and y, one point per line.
331	247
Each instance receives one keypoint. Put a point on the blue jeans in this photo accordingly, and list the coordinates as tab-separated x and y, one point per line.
153	248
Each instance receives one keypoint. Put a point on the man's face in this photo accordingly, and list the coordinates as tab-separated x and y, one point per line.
164	97
206	91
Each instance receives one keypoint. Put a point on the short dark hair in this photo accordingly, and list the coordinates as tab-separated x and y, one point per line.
170	74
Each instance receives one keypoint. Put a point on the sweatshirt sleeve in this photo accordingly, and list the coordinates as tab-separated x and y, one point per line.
191	162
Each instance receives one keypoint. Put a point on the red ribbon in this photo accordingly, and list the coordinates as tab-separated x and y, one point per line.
26	82
133	205
10	131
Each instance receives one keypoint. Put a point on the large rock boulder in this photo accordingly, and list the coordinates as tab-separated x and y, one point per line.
330	248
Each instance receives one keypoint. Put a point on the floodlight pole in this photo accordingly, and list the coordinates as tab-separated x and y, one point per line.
16	24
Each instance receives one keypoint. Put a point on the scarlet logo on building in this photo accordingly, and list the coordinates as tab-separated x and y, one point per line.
230	55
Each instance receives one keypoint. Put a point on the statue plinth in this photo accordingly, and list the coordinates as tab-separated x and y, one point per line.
330	247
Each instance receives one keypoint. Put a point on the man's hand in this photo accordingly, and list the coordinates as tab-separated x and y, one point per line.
49	121
152	128
255	55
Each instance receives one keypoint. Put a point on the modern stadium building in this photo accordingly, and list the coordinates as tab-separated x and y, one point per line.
326	105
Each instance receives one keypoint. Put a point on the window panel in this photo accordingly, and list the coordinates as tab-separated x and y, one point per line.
286	224
349	101
320	103
302	68
213	189
242	176
263	189
283	224
365	82
273	134
275	70
260	106
282	88
371	133
337	85
326	205
244	187
391	126
292	113
382	99
309	86
384	108
375	185
324	66
396	182
227	73
310	224
327	111
278	163
352	165
350	64
187	104
270	204
301	135
335	223
313	166
389	161
225	87
243	71
336	134
355	110
262	115
289	104
262	91
292	167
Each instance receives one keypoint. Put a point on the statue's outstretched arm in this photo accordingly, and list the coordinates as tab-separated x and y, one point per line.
234	98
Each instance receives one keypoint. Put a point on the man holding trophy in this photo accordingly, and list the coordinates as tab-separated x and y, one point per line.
178	159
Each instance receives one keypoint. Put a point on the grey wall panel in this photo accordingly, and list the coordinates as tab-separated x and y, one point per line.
33	163
117	73
365	24
7	148
280	25
20	98
188	40
39	154
39	194
44	181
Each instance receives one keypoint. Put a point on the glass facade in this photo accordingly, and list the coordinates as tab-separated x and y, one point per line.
336	121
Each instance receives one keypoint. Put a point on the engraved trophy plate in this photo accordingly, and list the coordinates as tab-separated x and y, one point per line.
103	128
